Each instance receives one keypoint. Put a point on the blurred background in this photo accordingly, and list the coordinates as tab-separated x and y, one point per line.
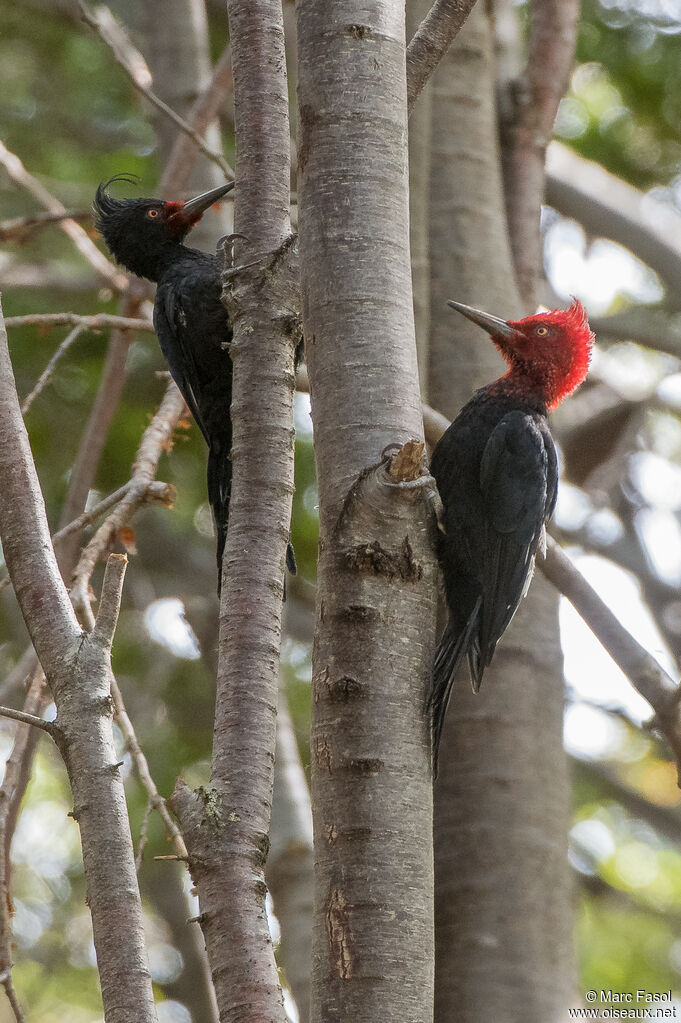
612	236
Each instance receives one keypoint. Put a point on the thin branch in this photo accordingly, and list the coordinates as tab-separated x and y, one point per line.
18	228
99	423
431	41
182	158
156	438
37	583
156	801
608	206
133	63
47	373
110	599
28	719
100	321
646	675
78	236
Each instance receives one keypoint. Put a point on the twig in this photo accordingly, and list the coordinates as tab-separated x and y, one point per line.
46	374
431	41
98	424
110	599
144	835
156	438
156	801
78	236
182	158
28	719
99	321
643	671
17	228
131	60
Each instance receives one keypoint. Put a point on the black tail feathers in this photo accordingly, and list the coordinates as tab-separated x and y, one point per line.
219	491
454	646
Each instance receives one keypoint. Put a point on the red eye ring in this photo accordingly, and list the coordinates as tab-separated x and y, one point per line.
541	331
152	213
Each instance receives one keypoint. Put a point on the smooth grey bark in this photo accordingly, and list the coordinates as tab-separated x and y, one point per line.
78	671
502	889
372	944
289	871
419	194
226	826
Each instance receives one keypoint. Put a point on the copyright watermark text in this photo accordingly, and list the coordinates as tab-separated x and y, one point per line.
641	1004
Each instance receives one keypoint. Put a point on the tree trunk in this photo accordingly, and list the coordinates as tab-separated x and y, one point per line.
502	896
372	943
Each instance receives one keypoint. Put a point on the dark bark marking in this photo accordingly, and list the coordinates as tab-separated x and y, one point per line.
340	938
345	689
359	31
322	752
364	765
375	560
308	121
359	613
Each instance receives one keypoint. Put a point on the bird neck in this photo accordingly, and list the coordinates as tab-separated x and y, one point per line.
521	388
150	262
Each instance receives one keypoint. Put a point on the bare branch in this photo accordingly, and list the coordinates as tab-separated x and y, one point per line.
181	161
28	551
431	42
527	131
606	205
100	321
47	373
156	801
99	423
78	236
28	719
18	228
643	671
141	488
131	60
110	599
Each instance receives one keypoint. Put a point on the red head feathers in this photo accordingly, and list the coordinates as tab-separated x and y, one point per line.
548	354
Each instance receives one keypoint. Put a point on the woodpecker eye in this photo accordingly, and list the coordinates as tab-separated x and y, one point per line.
542	331
152	214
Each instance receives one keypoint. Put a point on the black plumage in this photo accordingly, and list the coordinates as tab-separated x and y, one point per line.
146	236
497	474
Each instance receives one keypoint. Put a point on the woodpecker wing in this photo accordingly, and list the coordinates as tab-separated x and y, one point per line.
518	482
172	324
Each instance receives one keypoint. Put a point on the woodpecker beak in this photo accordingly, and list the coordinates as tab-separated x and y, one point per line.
196	207
494	326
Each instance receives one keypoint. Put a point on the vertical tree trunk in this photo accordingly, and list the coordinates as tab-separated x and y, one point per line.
419	194
372	945
503	918
226	828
